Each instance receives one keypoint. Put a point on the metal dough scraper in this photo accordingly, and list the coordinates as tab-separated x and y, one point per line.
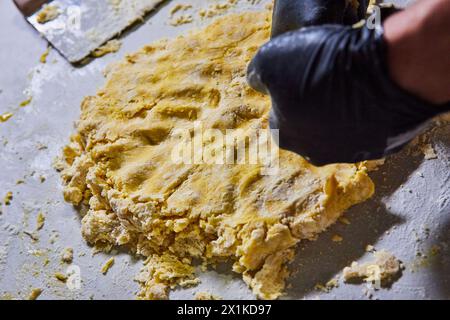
77	27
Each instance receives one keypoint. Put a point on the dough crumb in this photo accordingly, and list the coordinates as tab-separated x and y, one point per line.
344	220
337	238
179	7
35	293
374	165
8	198
206	296
333	283
108	264
217	9
61	277
67	256
43	58
47	13
111	46
26	102
330	285
40	221
5	117
383	270
429	152
183	19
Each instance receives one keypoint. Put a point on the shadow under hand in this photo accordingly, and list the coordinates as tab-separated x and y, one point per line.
319	261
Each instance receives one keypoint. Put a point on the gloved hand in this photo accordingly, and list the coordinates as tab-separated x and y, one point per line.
332	97
291	15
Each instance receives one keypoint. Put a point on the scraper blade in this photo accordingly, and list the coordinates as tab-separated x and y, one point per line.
81	26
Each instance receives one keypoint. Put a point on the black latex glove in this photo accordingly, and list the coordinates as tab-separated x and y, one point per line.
332	97
291	15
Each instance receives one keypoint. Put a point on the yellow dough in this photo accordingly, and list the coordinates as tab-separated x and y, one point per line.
47	13
119	165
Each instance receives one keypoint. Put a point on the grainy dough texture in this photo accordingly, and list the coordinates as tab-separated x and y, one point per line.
118	165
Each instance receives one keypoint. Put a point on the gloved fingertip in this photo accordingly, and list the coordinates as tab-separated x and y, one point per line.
254	77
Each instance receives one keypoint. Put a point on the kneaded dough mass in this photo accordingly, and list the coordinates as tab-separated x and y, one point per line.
118	165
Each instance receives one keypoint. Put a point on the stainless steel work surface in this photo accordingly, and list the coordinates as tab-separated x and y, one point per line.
409	216
83	25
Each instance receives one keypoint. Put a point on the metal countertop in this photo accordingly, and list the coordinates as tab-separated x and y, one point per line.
409	216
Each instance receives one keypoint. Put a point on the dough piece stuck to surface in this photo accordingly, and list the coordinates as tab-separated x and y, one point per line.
111	46
384	269
48	13
35	293
119	165
108	265
5	117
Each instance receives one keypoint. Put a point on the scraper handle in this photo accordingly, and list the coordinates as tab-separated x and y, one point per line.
28	7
